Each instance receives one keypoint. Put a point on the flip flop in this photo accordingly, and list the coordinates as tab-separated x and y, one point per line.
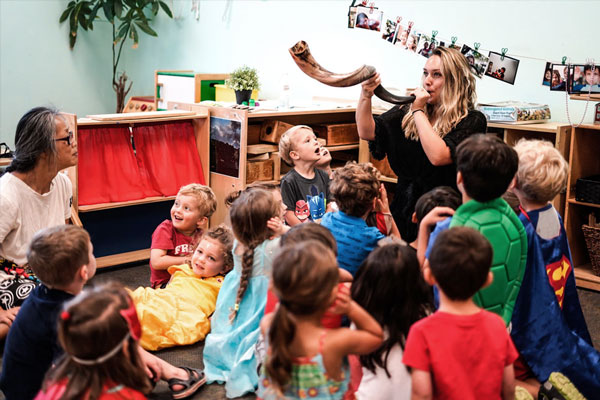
190	385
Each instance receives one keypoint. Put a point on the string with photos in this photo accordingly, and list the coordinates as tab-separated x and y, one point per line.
476	44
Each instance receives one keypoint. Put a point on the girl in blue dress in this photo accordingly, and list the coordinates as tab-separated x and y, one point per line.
304	359
229	355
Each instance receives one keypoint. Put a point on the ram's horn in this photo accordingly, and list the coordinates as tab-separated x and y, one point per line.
306	62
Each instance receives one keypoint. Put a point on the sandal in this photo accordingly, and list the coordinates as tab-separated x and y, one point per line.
191	385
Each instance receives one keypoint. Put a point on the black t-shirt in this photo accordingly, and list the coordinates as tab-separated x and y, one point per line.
416	174
306	197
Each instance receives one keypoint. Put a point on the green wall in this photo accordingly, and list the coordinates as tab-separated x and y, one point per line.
37	67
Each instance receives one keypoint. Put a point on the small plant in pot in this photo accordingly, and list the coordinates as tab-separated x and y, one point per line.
243	81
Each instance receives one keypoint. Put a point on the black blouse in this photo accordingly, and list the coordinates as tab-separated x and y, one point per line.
416	174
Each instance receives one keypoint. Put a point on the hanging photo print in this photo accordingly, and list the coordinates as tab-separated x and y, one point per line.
368	18
351	16
402	32
585	79
502	67
389	31
477	61
560	74
426	45
547	75
412	41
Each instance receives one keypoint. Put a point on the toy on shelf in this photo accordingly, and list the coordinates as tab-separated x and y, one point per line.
184	86
139	104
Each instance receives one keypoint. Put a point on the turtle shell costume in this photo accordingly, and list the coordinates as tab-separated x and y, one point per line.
500	225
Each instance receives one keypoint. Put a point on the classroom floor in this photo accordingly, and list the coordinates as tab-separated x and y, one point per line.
191	356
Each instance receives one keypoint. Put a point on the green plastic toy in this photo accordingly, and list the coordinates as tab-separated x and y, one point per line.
501	226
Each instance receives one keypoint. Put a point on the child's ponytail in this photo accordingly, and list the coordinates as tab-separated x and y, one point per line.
250	213
304	276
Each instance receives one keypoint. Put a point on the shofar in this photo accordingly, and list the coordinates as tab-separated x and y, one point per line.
301	55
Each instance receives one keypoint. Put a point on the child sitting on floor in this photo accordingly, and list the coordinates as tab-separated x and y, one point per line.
389	286
179	313
173	241
305	189
548	326
229	347
460	351
355	188
111	368
303	358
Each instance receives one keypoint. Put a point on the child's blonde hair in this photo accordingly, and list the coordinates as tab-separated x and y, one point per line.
304	275
56	254
93	330
249	216
286	143
354	187
542	172
223	235
207	201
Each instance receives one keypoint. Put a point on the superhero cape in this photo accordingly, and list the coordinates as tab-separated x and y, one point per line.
548	327
501	226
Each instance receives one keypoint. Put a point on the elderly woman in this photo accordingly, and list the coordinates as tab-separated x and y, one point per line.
420	140
33	196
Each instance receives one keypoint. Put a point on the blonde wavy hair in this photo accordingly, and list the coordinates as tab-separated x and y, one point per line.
542	172
457	96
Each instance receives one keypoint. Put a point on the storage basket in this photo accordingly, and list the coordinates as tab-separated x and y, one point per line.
587	190
592	241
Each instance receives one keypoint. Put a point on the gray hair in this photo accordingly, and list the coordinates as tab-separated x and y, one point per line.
34	136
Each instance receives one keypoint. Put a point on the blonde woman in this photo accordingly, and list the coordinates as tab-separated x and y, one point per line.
420	140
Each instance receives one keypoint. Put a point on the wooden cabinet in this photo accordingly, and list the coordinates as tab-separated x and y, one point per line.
121	231
584	161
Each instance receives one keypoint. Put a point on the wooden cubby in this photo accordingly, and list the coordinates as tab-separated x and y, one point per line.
584	161
121	231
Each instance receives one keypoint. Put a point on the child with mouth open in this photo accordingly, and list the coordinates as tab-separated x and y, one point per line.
174	241
305	187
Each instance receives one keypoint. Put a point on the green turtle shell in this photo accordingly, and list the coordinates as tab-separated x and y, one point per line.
501	226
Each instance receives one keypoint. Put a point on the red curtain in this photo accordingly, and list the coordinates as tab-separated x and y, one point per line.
167	153
108	170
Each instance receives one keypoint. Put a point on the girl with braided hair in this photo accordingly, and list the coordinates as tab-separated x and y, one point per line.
229	348
304	359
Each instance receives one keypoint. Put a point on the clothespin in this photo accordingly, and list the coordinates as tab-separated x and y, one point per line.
398	19
363	3
454	39
564	59
504	51
433	35
476	47
371	7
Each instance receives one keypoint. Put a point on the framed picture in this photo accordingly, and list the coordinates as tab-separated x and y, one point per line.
412	41
560	75
389	31
584	79
225	137
426	45
368	18
502	68
547	75
402	32
477	61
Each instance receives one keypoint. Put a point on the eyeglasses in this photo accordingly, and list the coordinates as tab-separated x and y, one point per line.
69	139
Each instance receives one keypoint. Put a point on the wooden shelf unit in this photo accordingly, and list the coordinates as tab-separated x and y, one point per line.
199	118
584	161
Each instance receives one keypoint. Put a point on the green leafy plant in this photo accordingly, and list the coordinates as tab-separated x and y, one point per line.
243	78
126	18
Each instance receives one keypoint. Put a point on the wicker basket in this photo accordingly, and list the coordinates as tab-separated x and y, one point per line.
592	240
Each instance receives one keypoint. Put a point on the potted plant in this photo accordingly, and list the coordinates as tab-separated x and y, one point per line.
243	81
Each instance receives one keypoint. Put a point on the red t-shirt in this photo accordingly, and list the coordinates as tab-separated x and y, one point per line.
110	391
166	237
465	354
